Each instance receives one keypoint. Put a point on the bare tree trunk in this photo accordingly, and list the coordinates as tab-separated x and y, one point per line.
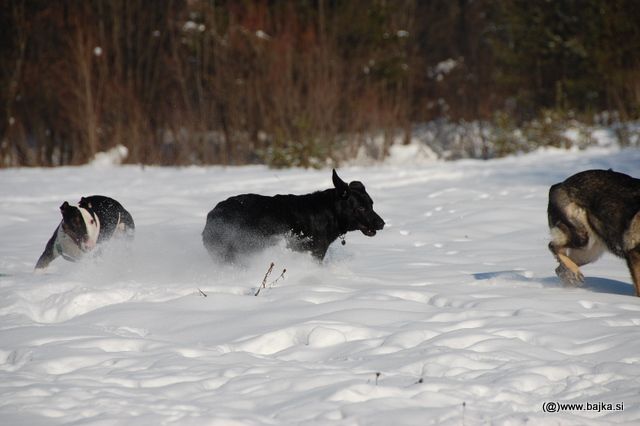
7	150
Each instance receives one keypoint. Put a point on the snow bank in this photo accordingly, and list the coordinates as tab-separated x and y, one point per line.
113	157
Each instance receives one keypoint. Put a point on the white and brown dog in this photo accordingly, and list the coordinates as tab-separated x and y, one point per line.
93	221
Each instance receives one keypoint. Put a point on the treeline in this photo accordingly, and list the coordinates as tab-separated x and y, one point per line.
296	82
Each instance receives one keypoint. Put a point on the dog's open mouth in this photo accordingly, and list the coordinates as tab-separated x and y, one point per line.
368	232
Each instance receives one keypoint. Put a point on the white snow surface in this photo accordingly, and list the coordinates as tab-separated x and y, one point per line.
452	315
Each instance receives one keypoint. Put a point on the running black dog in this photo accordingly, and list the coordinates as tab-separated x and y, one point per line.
93	221
247	223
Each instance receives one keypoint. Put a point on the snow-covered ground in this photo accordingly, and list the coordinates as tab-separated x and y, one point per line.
451	315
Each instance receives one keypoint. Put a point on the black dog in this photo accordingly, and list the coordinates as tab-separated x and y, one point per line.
95	220
247	223
589	213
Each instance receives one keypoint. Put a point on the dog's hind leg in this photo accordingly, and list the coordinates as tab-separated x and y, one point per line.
633	261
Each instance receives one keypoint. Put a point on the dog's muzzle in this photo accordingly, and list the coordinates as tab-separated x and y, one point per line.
371	231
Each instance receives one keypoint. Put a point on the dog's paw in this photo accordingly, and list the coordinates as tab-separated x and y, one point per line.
568	277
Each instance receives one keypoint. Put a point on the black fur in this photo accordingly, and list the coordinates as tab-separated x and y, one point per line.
247	223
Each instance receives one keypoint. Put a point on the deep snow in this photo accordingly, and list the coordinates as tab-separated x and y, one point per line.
450	315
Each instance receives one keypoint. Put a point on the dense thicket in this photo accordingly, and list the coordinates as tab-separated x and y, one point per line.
295	82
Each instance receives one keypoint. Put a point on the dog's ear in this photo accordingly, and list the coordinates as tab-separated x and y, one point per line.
84	203
340	185
64	206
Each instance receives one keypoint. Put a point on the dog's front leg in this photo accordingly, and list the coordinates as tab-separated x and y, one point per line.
568	272
319	250
50	252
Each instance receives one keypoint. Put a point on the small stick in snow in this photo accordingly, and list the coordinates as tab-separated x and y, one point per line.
272	283
202	293
377	376
264	280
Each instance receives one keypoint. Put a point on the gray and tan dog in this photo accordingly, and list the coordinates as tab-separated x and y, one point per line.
589	213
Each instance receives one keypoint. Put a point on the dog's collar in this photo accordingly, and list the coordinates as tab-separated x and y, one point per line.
342	240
